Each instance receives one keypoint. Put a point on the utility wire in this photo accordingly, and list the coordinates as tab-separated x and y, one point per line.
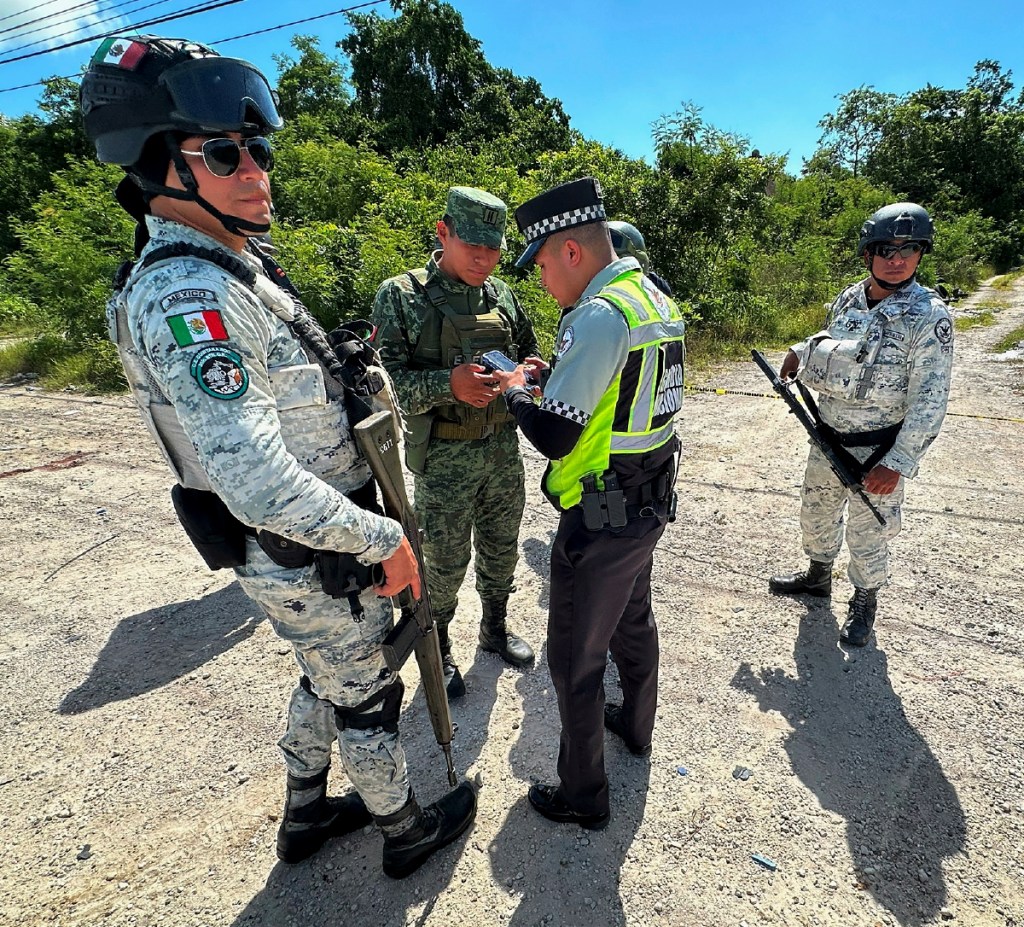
297	22
98	22
39	19
232	38
126	29
30	9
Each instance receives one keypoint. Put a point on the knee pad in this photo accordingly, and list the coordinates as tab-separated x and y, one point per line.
358	717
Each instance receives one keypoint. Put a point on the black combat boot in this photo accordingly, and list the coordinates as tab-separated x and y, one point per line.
861	618
310	818
496	638
412	833
454	684
815	580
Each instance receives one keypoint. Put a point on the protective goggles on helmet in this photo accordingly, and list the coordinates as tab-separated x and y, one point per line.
222	156
221	94
888	251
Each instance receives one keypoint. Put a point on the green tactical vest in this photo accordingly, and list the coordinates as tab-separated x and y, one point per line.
635	414
455	332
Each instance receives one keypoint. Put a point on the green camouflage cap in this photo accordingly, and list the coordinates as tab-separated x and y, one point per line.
478	216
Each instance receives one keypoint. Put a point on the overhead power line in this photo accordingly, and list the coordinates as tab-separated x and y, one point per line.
30	9
117	15
126	29
123	32
297	22
39	19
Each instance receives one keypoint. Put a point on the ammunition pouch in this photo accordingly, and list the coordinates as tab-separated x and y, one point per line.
213	530
284	552
614	507
341	574
418	429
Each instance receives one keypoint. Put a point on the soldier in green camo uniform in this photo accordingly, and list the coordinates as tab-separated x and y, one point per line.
433	324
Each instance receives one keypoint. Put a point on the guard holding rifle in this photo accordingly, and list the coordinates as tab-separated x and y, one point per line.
254	412
606	424
881	369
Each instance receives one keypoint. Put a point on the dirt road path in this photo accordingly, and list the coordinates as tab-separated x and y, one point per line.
140	785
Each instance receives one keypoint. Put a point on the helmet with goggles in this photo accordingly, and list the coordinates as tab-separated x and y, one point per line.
142	94
899	222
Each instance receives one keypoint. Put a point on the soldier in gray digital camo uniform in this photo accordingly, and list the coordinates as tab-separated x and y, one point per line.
239	389
881	368
433	324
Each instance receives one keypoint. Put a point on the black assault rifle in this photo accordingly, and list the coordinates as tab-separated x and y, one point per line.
416	631
839	467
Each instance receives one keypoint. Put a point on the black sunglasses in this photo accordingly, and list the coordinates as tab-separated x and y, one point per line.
904	251
223	155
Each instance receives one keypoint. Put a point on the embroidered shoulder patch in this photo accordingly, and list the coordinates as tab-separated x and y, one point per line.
191	295
195	327
567	341
944	331
219	373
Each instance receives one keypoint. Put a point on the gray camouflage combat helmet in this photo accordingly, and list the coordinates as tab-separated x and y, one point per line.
899	221
142	88
629	242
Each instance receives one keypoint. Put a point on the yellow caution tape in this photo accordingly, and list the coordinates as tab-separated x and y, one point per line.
721	391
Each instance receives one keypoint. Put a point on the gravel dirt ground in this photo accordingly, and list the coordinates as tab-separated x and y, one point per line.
140	783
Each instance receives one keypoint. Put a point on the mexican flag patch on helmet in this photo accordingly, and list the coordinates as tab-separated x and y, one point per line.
122	53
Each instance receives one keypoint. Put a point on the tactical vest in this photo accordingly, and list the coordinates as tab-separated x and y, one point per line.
447	339
316	426
634	416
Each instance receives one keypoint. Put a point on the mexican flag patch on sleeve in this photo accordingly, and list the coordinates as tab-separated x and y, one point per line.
195	327
122	53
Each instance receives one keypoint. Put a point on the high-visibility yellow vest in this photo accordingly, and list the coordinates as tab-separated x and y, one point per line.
635	414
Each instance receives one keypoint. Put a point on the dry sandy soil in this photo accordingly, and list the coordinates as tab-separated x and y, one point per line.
142	694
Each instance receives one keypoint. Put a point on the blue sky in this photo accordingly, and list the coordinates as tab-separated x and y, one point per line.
769	71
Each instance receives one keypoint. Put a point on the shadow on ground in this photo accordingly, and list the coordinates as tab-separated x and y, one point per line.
903	818
151	649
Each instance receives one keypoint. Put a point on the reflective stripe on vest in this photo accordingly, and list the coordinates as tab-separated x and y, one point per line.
634	416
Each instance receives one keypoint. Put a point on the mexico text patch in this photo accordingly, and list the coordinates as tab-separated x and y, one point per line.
191	295
219	373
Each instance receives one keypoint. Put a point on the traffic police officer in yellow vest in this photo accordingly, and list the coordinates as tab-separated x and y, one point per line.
605	422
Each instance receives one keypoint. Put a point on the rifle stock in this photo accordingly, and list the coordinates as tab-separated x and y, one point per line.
377	438
842	472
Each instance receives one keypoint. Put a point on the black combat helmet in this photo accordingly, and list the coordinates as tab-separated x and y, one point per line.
898	222
142	94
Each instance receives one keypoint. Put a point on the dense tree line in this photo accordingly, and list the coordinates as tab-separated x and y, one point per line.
404	107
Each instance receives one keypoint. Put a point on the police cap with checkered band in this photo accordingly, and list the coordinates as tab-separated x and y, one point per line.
566	206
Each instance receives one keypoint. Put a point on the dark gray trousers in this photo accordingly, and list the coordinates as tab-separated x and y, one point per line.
600	600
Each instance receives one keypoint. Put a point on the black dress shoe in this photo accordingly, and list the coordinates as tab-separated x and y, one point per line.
613	723
547	801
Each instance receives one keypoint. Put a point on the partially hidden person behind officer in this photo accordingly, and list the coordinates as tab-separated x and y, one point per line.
432	326
253	412
881	369
628	241
606	424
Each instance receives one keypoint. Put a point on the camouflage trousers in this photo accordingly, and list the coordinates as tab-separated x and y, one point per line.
827	506
473	492
342	660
